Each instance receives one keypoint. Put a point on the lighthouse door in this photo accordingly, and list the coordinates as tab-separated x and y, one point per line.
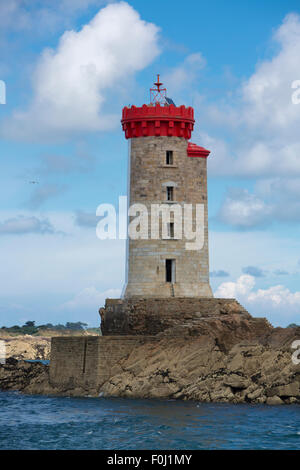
170	270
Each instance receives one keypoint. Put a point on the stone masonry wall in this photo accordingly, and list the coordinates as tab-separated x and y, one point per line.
149	177
149	316
87	362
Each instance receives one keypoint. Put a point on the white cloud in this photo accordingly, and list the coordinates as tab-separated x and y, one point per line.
90	299
244	210
71	83
277	303
267	94
260	119
183	75
273	200
241	287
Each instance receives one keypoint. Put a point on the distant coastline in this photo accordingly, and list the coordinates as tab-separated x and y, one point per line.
34	342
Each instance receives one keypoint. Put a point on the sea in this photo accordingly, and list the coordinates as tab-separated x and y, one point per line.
47	422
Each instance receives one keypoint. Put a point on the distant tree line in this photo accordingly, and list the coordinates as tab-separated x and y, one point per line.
30	328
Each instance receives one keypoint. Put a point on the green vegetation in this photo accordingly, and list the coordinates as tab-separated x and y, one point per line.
30	328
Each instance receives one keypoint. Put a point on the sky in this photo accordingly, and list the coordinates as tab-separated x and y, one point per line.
69	67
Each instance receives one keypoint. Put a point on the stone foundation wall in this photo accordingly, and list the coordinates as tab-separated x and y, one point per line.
139	326
149	316
88	362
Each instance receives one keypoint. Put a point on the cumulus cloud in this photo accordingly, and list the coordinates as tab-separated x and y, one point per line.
21	225
71	83
277	303
261	120
267	94
236	289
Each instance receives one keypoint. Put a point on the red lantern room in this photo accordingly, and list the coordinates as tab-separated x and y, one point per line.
161	118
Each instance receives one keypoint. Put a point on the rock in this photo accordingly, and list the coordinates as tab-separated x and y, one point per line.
261	399
236	382
274	401
290	390
18	375
27	347
292	400
222	394
255	394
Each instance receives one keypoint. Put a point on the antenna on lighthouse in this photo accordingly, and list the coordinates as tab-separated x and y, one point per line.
158	94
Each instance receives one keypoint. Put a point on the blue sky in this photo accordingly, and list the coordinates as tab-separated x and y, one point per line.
69	68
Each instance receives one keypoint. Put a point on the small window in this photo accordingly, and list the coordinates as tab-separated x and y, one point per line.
171	230
170	193
170	270
169	157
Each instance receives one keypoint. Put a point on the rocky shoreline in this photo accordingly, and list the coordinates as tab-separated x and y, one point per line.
27	347
186	368
209	350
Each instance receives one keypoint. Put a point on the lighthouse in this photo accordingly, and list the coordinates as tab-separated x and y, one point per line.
165	170
166	297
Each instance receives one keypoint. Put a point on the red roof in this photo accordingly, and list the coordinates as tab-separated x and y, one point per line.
194	150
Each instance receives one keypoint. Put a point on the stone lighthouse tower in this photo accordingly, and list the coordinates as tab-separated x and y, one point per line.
165	169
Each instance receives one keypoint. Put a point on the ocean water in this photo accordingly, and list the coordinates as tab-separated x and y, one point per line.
42	422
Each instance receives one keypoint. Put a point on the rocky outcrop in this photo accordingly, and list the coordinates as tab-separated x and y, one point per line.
198	369
22	375
218	353
27	347
188	368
